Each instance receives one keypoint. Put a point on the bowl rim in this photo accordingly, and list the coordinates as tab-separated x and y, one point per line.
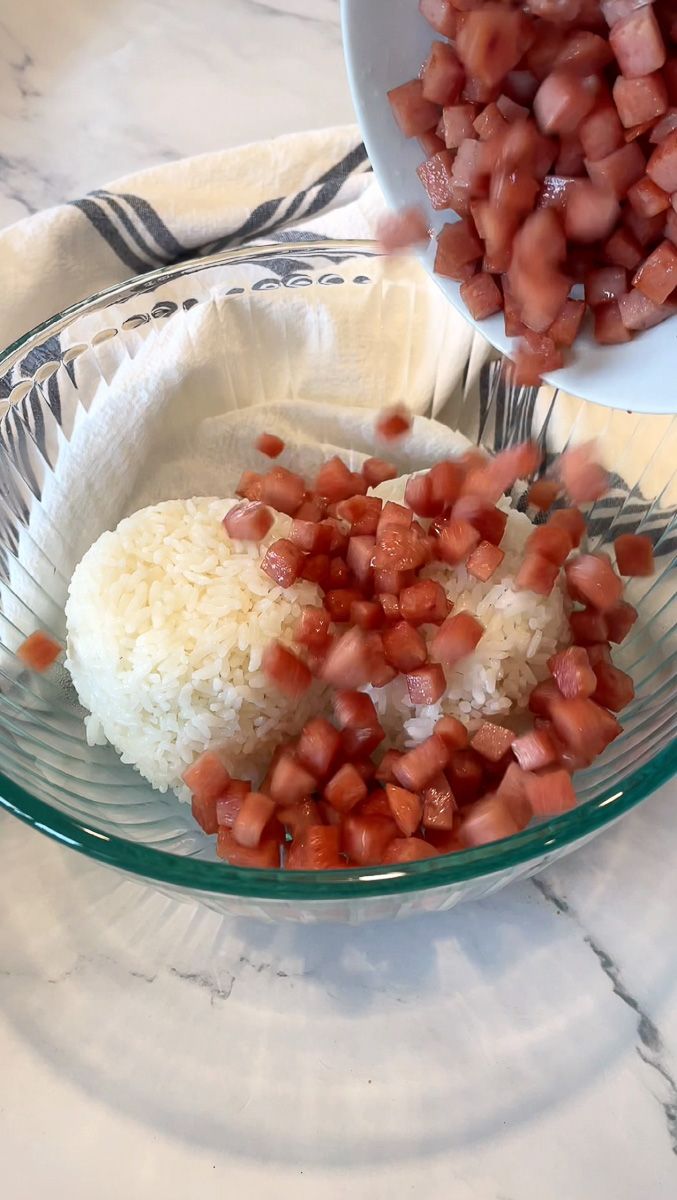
535	845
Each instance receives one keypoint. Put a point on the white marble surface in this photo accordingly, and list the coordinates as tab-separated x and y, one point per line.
524	1048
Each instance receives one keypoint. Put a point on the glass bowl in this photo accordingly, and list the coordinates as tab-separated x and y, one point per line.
94	404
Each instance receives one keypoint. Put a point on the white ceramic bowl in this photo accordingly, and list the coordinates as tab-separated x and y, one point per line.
385	43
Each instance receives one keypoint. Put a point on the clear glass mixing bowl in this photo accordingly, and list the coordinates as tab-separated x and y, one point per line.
329	323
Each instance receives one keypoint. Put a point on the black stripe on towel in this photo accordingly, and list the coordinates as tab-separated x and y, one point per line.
105	227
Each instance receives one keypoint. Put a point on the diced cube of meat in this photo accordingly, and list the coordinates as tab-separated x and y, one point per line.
647	199
453	733
490	123
362	514
618	170
441	14
282	562
565	328
431	143
619	621
390	607
446	479
614	690
584	53
393	423
572	520
639	312
457	121
229	803
404	647
393	516
415	769
401	550
39	651
360	558
599	652
335	482
537	574
290	782
666	124
564	100
671	225
543	493
206	778
530	363
572	672
570	160
550	792
466	774
492	741
377	471
439	805
601	132
656	278
338	601
554	192
456	540
285	670
443	75
345	789
418	494
282	490
609	328
603	284
584	726
623	249
248	521
270	445
403	850
647	230
250	823
592	577
266	855
662	166
484	560
456	638
426	685
402	230
414	114
487	820
591	212
436	176
634	554
534	750
312	628
316	848
365	839
542	697
312	537
588	627
351	660
318	747
583	478
470	169
511	109
367	614
551	542
639	101
637	42
490	42
406	808
425	602
481	296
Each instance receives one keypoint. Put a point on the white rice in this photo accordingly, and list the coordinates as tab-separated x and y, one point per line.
168	618
167	621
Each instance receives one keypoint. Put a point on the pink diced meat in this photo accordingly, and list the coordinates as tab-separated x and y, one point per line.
490	42
481	296
609	328
640	100
637	42
638	312
623	249
400	231
441	14
619	170
414	114
591	212
285	670
436	176
426	685
634	554
662	166
457	246
457	121
564	100
647	198
443	75
657	276
456	638
600	133
592	577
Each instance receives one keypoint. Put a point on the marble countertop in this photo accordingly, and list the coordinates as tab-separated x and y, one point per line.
522	1048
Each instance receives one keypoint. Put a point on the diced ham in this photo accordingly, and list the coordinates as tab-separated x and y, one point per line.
492	741
609	327
592	578
662	166
618	170
424	602
282	490
584	53
335	482
270	445
439	806
603	284
599	652
360	558
484	560
465	774
572	672
384	772
377	471
481	296
453	733
312	628
457	121
490	42
565	328
250	486
404	647
249	825
550	793
591	212
619	621
297	818
403	850
39	651
647	198
666	125
537	574
390	607
637	43
393	423
436	175
588	626
582	477
351	660
415	769
406	808
634	554
456	540
534	750
229	803
489	521
311	537
206	778
656	278
543	493
414	114
282	562
457	246
600	133
285	670
487	820
623	249
338	601
345	789
441	14
551	542
640	101
315	849
572	520
615	689
543	696
639	312
426	685
456	638
248	521
367	614
365	839
584	726
265	856
446	479
443	75
204	812
564	100
318	747
647	230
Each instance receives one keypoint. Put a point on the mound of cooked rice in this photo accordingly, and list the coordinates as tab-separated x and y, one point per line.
168	618
167	621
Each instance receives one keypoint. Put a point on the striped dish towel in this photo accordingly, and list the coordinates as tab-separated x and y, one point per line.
299	188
